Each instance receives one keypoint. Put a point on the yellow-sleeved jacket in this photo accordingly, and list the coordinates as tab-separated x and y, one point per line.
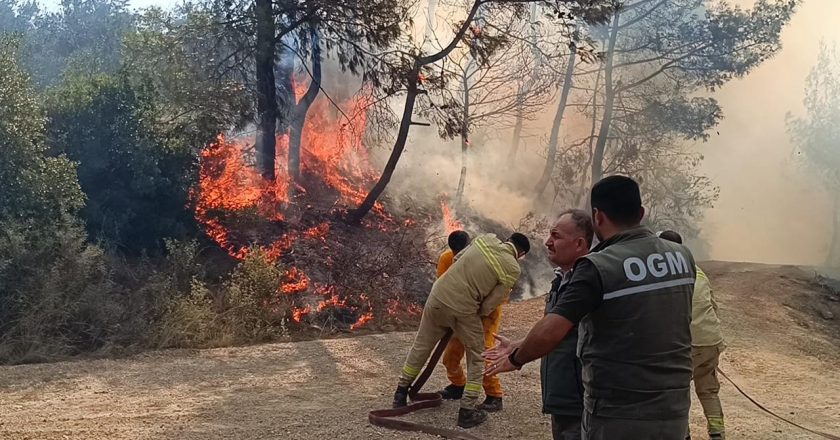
705	324
481	277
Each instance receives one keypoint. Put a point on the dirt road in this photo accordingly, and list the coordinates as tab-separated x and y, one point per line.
780	349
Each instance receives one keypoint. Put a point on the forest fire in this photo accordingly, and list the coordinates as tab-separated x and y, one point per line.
241	211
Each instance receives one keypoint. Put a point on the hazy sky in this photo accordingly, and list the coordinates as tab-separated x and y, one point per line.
132	3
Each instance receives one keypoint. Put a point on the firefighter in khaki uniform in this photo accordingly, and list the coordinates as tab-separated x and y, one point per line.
480	279
455	351
706	346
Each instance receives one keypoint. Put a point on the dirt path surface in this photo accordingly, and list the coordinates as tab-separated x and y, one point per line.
781	350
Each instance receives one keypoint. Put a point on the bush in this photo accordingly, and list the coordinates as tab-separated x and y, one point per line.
255	309
248	308
58	299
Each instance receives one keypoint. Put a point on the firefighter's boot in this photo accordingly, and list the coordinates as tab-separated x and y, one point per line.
468	418
452	392
491	404
401	397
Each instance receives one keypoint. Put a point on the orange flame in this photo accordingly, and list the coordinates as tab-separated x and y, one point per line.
299	312
331	149
364	319
296	281
318	232
450	223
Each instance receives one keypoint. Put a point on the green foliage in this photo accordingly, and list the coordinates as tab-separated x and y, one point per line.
83	35
254	306
36	187
174	58
136	183
17	16
250	308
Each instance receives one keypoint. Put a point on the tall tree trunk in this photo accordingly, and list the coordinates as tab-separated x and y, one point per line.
583	178
266	91
523	88
285	88
302	108
465	134
517	130
554	138
357	214
609	102
834	251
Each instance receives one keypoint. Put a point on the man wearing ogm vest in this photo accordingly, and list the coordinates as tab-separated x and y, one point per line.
631	300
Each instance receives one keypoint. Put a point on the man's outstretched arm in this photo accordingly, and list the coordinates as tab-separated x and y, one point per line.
543	337
582	295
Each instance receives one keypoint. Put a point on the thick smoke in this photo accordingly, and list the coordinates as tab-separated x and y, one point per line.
770	209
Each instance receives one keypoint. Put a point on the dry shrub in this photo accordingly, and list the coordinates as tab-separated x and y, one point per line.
57	297
247	309
254	308
386	275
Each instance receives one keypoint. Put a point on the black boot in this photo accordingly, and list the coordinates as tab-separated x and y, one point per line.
491	404
468	418
716	436
452	392
401	397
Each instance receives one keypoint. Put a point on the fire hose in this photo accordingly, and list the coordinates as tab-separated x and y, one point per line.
763	408
386	418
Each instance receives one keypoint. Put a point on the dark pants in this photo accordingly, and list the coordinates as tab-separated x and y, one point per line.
603	428
565	427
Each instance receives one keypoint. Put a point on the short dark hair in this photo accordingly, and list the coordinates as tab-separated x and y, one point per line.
582	221
521	242
671	236
458	240
619	198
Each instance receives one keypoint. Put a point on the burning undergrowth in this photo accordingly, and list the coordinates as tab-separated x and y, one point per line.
331	275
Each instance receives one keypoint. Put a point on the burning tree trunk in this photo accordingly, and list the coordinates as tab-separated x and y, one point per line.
301	109
266	89
609	101
554	138
412	91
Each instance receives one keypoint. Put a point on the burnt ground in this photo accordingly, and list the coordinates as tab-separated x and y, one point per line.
784	348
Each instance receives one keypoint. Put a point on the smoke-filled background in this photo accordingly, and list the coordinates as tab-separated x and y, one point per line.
771	208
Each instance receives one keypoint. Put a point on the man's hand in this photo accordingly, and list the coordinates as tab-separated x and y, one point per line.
502	349
502	366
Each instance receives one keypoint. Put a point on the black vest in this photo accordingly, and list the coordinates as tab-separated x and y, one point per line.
636	346
560	370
